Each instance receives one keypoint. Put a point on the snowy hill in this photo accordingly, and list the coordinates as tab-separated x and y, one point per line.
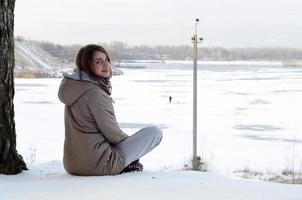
33	61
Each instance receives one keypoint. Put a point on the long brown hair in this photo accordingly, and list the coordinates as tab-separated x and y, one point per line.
83	62
85	56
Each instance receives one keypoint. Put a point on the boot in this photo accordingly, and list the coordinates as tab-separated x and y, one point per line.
135	166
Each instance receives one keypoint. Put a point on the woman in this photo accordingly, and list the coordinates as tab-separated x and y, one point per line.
94	143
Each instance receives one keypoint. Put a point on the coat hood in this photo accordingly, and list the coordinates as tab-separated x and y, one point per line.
73	86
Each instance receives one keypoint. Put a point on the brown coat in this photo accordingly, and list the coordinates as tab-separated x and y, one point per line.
91	130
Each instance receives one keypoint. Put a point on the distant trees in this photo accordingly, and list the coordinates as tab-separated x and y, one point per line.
121	51
65	53
277	53
10	161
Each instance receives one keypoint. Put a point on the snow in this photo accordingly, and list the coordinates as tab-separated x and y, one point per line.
248	117
49	181
232	63
31	57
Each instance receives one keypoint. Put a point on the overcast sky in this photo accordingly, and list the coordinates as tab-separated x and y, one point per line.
226	23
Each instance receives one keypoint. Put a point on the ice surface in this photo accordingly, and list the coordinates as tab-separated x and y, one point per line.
248	115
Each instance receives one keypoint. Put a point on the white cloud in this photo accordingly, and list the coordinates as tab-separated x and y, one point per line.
160	22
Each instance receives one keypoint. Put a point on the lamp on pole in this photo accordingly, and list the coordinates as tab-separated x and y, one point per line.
195	41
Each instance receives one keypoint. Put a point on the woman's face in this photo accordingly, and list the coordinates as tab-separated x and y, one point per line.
100	65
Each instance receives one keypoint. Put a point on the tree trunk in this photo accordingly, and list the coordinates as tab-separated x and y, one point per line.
10	161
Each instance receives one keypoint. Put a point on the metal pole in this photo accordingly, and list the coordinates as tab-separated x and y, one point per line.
195	40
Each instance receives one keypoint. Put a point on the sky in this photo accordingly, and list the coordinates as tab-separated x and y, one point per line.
231	23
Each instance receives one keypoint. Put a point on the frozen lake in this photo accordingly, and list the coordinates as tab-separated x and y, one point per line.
249	114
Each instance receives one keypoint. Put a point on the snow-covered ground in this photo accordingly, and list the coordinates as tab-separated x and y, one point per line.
49	181
248	117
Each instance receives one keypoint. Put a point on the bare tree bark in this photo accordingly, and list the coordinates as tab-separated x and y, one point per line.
10	161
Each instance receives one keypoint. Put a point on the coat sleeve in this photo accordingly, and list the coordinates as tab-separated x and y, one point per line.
102	110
